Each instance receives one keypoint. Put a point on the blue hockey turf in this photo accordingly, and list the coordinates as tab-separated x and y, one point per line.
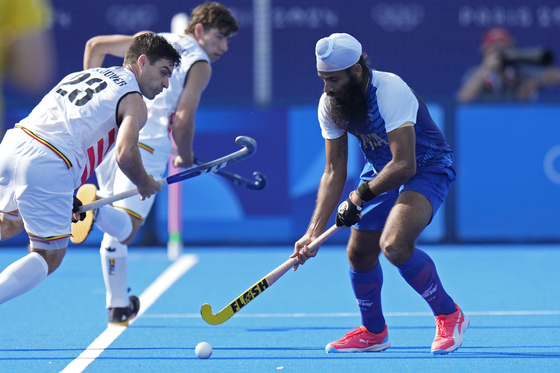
510	294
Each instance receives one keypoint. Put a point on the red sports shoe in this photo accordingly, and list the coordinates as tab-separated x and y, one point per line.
449	332
361	340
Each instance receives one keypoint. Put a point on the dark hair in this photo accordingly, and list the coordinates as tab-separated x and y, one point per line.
363	61
213	15
155	47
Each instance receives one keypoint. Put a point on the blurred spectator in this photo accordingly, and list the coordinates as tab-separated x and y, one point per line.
26	47
507	73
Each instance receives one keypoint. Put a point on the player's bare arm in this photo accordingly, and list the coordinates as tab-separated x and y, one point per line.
402	166
133	114
100	46
330	189
183	120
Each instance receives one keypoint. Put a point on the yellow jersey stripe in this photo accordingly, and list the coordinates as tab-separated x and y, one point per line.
145	147
48	145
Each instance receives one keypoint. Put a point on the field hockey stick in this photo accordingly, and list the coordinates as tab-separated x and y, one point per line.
259	183
249	147
231	309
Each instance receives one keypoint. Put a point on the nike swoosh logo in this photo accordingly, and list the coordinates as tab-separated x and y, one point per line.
111	249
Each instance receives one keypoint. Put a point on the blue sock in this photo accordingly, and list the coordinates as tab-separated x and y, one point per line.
367	288
420	273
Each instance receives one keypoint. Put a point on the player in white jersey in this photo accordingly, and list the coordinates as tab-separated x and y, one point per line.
208	32
52	151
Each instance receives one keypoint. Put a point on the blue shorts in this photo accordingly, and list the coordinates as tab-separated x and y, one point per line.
433	186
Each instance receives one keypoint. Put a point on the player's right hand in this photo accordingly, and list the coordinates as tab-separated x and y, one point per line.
301	252
181	162
149	188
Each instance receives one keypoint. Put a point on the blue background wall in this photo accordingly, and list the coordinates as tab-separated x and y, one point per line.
507	155
509	173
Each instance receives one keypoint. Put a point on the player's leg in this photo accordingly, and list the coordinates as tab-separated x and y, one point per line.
10	219
119	234
9	227
22	276
409	216
413	211
29	271
114	263
117	227
40	189
115	222
123	219
366	277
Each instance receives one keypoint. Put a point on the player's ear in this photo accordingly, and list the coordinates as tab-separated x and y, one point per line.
142	60
198	31
356	70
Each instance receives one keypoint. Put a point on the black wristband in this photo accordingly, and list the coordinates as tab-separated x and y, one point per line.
365	193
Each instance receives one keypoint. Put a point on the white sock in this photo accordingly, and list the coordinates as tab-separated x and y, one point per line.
22	276
115	222
114	263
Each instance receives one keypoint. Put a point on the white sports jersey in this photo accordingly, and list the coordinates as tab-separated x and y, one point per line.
396	103
155	134
78	118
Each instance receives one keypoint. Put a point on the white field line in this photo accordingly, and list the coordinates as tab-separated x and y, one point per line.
353	314
147	298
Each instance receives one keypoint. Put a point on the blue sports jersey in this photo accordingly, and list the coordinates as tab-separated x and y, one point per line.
391	103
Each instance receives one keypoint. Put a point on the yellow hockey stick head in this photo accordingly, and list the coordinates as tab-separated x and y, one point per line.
81	229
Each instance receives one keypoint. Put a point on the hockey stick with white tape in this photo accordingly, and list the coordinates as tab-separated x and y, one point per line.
249	148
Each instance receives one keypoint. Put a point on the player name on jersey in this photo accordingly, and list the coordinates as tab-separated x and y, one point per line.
113	76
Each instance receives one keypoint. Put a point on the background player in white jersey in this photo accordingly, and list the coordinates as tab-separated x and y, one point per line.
49	154
210	27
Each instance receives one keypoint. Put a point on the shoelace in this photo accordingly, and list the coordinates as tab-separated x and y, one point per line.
352	333
441	330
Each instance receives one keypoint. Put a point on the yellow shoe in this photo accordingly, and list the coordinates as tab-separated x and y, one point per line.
81	229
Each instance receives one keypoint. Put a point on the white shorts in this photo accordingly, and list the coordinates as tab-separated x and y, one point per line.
37	187
112	180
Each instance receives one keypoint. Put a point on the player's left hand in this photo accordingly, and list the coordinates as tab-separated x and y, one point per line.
76	216
348	213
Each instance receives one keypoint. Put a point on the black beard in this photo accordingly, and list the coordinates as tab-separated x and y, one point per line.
348	110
